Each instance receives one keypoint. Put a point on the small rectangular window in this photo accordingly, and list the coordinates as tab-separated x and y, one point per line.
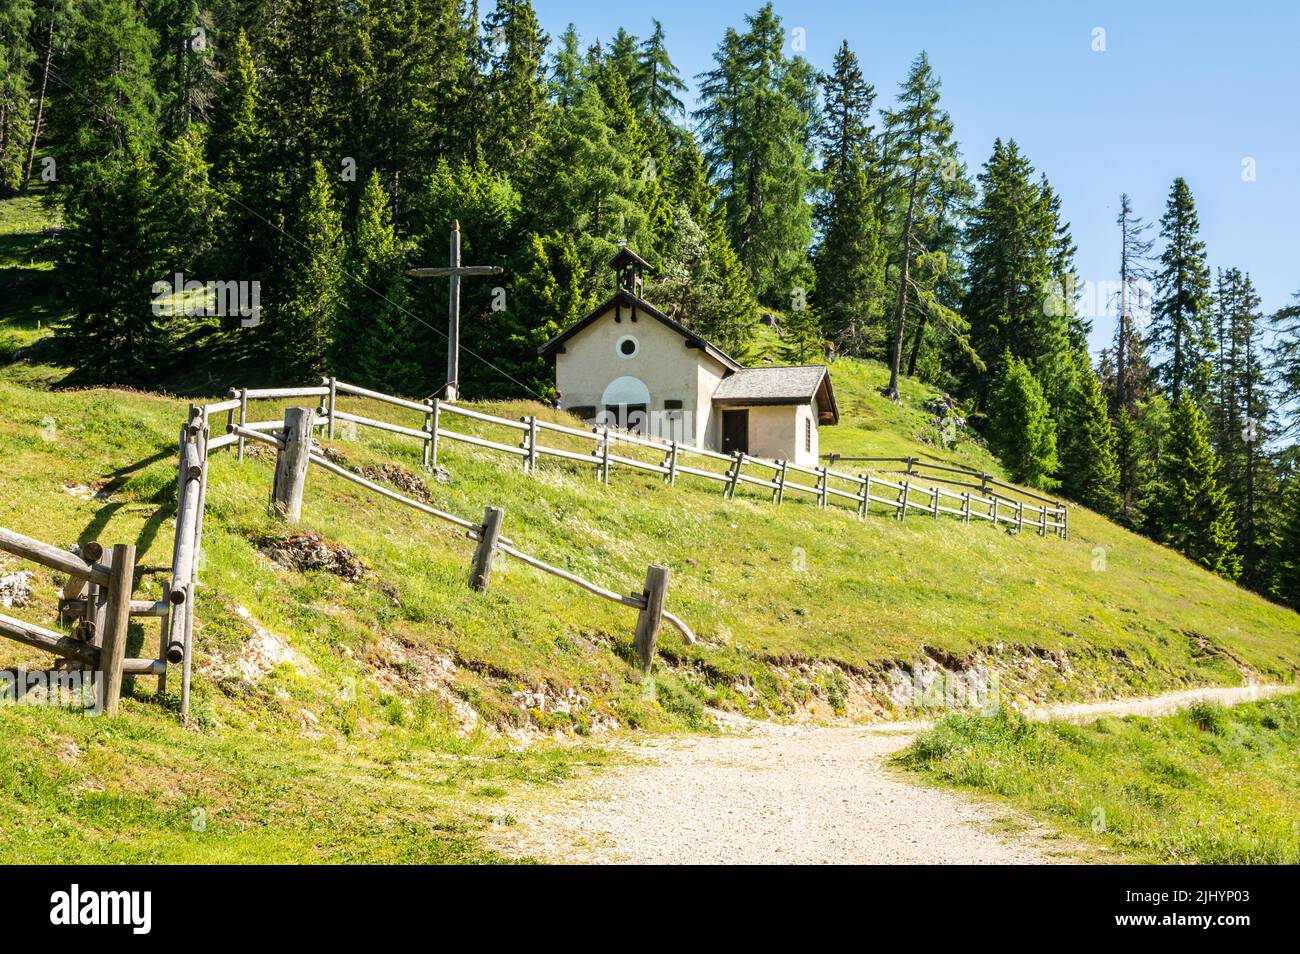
671	405
807	435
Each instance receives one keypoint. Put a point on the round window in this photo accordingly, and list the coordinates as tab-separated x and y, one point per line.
628	347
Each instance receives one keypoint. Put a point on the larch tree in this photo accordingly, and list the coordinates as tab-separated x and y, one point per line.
921	155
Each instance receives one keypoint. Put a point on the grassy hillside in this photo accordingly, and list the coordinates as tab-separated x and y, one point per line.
334	712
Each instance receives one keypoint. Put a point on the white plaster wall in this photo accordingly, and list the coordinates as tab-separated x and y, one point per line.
669	369
777	432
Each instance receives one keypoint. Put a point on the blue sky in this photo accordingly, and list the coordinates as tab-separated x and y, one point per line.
1191	89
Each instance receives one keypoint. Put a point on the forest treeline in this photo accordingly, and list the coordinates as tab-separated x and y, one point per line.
320	149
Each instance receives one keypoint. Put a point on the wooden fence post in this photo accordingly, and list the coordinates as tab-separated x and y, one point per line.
1042	520
866	493
291	463
243	419
779	494
993	510
934	502
333	396
431	445
604	458
480	572
672	464
966	507
825	492
1020	515
1065	518
646	639
734	474
117	620
532	443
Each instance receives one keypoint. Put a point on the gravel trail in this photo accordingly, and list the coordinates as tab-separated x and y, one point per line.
763	793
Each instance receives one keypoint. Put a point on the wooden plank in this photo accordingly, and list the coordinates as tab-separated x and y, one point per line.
463	271
418	434
261	394
342	387
29	634
52	557
333	468
485	418
480	573
117	624
484	442
646	639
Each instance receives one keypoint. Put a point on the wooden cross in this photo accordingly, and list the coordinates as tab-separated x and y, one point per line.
454	271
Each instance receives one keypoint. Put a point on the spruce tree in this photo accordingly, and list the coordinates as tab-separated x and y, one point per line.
1089	472
1021	430
374	345
849	260
1286	547
309	297
1015	271
1196	515
1284	354
1180	321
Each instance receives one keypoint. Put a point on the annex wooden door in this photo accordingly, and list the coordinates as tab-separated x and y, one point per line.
735	432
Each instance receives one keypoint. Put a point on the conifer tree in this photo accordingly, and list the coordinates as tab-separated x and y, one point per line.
656	82
1021	430
755	122
921	154
309	296
1089	472
849	260
1015	269
513	120
1286	547
1132	370
568	70
373	347
16	59
1180	325
1195	513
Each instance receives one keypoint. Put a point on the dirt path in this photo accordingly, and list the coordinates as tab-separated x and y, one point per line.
764	793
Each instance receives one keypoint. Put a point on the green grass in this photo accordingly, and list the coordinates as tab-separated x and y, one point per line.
1210	785
795	608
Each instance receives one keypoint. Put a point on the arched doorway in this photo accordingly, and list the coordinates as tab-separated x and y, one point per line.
626	404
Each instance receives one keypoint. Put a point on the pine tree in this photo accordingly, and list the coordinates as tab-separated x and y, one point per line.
920	151
849	260
1021	430
1089	472
1180	325
1196	514
586	183
373	348
308	304
1284	354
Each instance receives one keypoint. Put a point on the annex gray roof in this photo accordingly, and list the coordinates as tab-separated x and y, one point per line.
797	384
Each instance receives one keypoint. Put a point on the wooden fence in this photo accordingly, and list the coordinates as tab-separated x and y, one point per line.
97	600
98	595
295	454
827	487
